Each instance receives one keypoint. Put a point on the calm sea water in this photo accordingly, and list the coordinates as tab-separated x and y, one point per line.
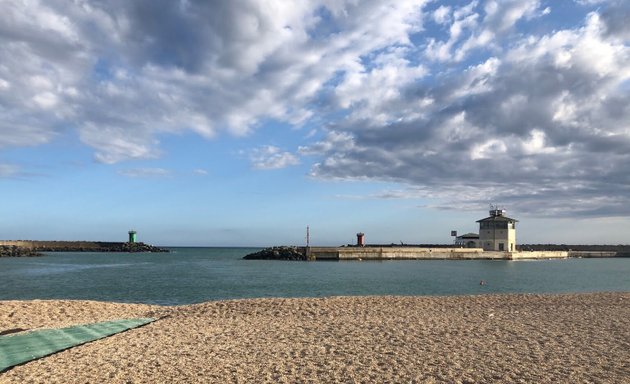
191	275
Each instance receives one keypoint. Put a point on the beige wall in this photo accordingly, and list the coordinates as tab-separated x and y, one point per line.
491	238
539	255
411	253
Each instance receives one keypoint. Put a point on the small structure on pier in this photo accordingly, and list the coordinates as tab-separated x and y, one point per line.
360	239
469	240
132	236
497	232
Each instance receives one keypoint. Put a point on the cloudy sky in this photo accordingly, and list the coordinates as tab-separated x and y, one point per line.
242	122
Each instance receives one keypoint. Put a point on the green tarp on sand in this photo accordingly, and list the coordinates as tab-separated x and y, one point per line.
21	348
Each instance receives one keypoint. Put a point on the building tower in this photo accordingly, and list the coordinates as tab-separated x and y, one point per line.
360	239
497	232
132	236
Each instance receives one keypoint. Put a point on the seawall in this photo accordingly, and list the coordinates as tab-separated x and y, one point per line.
414	253
592	254
396	253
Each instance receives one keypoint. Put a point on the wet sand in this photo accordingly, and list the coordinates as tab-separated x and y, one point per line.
576	338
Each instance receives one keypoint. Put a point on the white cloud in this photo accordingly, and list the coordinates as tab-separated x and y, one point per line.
271	157
115	144
442	51
506	14
8	170
541	125
145	172
491	149
340	141
46	100
204	67
496	85
536	144
477	79
465	10
474	28
442	14
565	109
370	93
590	2
4	85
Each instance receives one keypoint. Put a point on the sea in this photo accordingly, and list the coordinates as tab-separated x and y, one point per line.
193	275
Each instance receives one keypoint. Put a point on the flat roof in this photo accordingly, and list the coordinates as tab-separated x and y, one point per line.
497	218
469	236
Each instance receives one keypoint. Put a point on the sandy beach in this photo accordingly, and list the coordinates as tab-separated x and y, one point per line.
576	338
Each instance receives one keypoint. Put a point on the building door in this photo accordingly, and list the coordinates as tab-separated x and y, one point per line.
501	247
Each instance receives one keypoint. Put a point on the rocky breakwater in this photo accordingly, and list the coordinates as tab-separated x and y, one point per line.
15	251
97	246
279	253
36	246
141	247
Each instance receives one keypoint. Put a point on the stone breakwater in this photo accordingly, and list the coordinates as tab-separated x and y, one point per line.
26	246
15	251
279	253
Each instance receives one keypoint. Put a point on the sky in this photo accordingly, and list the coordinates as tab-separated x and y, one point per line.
240	123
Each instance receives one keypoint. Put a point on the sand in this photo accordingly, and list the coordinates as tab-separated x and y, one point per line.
575	338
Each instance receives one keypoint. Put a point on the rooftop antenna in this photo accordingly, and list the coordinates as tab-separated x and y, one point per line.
496	211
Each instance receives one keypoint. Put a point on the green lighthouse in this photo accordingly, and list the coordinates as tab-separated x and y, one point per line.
132	236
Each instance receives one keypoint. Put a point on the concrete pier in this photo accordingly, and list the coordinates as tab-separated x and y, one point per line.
416	253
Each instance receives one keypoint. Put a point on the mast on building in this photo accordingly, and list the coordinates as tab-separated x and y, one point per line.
308	236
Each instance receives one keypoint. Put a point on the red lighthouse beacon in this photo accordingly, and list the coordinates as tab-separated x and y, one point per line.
360	239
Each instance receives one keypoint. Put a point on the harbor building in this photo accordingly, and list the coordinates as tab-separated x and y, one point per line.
497	232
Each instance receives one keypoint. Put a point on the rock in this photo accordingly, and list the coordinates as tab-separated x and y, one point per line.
278	253
140	247
15	251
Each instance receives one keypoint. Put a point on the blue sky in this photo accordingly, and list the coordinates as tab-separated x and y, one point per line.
242	122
